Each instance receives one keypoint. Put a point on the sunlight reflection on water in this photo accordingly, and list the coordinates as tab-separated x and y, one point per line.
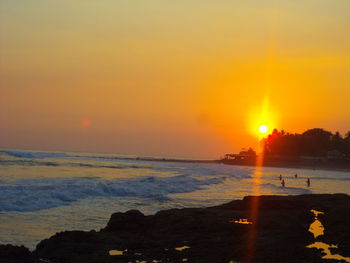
42	196
317	229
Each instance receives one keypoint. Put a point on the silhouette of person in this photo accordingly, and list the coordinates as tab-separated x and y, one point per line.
283	183
308	182
296	175
280	177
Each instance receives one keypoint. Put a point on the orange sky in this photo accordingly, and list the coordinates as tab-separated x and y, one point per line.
170	78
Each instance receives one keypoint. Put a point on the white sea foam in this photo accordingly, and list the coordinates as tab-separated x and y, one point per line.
37	194
42	193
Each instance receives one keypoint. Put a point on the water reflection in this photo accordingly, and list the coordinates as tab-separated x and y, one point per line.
115	252
182	248
317	229
242	221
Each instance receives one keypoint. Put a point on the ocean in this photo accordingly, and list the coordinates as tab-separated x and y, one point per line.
42	193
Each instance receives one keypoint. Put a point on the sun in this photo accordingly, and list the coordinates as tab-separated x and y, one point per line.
263	129
262	120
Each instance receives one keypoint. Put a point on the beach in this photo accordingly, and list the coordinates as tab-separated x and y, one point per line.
43	193
174	131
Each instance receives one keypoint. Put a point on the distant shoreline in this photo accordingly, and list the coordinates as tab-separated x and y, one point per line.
280	162
297	163
342	166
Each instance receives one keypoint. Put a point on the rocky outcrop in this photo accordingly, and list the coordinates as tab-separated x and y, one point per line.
15	254
278	233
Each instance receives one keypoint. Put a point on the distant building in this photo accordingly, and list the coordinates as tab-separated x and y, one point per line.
237	156
242	155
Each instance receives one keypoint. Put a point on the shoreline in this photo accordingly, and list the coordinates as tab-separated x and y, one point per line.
306	167
280	162
253	229
309	165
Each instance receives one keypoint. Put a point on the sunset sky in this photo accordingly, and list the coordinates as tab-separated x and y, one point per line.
170	78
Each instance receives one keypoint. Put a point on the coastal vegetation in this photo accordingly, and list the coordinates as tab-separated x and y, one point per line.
313	142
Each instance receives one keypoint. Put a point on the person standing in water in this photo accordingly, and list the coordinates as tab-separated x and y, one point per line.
280	177
308	182
296	176
283	183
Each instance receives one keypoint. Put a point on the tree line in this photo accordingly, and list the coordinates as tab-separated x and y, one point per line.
314	142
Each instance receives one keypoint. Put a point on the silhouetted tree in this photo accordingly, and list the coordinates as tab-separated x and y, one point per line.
313	142
316	142
347	144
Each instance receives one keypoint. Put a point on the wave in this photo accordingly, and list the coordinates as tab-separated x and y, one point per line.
203	169
36	194
178	168
332	178
33	162
35	154
285	190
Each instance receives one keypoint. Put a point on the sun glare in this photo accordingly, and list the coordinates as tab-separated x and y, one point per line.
262	120
263	129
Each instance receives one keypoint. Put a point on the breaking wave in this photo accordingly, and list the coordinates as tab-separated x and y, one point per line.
27	158
37	194
28	154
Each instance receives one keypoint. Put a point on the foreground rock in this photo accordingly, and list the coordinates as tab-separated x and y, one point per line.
14	254
278	233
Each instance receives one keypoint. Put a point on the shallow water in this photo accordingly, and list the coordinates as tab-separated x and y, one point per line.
242	221
42	193
115	252
317	229
182	248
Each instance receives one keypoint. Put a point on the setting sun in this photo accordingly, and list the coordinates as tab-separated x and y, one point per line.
208	113
261	120
263	129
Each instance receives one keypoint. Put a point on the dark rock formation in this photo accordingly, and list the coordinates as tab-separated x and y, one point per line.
278	233
131	221
15	254
336	221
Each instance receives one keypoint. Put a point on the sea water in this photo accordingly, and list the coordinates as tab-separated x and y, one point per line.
42	193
